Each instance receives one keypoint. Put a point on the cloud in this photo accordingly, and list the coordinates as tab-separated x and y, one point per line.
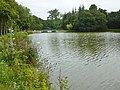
41	7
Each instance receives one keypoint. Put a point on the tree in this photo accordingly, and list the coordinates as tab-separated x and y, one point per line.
100	20
13	16
114	20
54	18
69	26
54	14
103	11
66	20
86	20
3	16
36	23
7	14
93	7
24	19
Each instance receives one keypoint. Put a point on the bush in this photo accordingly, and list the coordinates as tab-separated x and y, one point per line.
18	64
69	26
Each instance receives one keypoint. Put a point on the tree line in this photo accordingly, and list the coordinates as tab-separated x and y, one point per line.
83	20
13	16
86	20
17	17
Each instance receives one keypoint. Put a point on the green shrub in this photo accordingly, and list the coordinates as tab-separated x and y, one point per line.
18	64
69	26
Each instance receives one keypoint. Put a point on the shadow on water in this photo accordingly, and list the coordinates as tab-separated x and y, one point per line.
90	60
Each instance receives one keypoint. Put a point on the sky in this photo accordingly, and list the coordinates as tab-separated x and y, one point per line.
40	8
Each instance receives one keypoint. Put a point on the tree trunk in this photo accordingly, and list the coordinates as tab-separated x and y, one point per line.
1	25
4	27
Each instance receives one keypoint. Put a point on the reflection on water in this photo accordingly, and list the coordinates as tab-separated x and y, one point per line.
90	60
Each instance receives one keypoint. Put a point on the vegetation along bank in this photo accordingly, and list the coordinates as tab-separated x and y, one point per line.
19	64
18	59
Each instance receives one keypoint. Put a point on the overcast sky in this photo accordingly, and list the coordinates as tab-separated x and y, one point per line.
41	7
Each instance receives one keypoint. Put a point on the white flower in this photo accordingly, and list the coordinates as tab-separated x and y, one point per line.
13	38
12	30
9	29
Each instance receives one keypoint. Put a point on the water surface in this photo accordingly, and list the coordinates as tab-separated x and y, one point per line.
90	60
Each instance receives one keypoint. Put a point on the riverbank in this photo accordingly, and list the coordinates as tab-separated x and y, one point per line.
113	30
19	64
108	30
72	31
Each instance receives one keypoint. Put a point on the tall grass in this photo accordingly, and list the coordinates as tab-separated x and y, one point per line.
18	64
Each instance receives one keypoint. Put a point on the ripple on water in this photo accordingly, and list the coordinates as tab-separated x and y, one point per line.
90	60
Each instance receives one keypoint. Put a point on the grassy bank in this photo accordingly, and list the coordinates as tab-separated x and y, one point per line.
113	30
108	30
19	64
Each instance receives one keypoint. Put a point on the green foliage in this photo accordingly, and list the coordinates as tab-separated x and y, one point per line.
18	64
24	19
113	30
54	14
103	11
6	75
64	84
93	7
69	26
36	23
86	20
114	20
14	16
53	20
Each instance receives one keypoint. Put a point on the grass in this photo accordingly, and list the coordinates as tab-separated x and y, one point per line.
108	30
113	30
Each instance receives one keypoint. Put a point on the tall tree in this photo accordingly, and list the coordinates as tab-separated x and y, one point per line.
93	7
13	15
36	23
6	15
86	20
114	20
103	11
24	18
54	14
54	19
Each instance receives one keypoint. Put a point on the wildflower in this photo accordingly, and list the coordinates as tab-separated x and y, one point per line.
12	30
